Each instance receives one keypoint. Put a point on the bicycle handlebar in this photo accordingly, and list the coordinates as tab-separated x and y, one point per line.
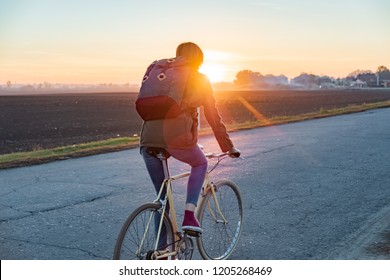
216	155
221	155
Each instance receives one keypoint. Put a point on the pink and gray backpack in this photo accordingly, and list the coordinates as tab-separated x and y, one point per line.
162	90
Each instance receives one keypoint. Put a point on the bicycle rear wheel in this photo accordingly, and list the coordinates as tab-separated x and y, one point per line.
137	238
220	238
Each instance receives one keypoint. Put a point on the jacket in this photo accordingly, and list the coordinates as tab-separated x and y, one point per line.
182	132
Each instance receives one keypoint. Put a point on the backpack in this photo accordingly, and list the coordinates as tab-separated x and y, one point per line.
162	89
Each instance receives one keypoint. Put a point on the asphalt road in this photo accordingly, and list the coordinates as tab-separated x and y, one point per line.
317	189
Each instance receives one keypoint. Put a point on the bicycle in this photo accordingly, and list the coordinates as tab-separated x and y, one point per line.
219	212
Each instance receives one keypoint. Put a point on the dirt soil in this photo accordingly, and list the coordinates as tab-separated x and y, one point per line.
36	121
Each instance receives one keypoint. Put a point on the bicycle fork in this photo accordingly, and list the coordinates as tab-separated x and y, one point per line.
212	212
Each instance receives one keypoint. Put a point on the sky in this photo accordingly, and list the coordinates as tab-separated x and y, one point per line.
113	41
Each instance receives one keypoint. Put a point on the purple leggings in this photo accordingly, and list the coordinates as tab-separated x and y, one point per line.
193	156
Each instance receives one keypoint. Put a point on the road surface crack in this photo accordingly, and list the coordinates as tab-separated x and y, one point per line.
277	148
55	246
49	209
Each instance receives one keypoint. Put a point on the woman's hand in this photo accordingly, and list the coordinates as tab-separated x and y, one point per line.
234	152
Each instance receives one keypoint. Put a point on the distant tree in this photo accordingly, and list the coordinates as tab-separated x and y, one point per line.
274	81
323	80
255	80
383	73
8	83
243	78
382	68
355	73
248	79
305	79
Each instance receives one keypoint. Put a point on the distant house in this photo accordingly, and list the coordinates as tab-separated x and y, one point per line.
383	79
369	78
386	83
358	83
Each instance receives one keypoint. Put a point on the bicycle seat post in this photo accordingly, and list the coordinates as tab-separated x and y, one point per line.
164	161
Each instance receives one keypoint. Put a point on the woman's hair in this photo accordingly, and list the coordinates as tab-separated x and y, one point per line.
192	52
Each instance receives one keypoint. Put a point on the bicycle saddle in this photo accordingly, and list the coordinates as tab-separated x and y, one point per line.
154	151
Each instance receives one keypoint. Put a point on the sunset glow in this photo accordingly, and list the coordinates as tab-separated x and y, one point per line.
99	42
215	72
215	65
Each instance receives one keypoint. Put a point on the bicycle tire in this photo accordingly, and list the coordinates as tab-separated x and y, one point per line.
133	230
218	239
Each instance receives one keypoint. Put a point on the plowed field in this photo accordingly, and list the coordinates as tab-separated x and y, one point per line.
38	121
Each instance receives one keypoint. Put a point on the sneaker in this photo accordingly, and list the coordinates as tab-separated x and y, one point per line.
190	223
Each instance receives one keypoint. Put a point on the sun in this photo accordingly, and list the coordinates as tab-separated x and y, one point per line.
214	65
214	71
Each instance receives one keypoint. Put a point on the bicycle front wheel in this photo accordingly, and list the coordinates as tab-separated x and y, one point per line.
138	236
220	233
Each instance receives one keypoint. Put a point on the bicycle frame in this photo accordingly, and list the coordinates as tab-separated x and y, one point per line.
151	232
167	184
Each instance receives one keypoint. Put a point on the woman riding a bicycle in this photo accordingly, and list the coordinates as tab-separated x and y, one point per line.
178	136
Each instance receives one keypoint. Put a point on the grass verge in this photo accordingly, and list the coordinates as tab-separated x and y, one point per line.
72	151
322	113
117	144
